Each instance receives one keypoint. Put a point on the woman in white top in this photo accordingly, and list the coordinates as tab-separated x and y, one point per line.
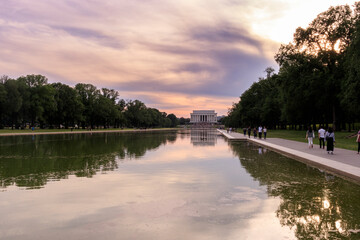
330	141
310	136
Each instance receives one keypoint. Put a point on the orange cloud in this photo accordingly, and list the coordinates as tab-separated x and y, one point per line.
183	104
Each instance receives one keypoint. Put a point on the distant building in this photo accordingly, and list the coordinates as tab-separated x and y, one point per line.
203	116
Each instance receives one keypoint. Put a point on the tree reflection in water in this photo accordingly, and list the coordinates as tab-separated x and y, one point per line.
32	161
314	204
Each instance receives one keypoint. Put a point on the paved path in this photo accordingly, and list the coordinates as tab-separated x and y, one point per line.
345	163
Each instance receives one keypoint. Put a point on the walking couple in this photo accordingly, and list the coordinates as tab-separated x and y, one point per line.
323	135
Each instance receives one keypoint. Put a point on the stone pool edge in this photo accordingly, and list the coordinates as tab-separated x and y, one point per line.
346	171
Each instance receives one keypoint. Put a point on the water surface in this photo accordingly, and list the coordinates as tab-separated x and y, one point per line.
166	185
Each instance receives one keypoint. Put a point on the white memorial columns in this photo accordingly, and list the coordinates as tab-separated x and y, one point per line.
203	116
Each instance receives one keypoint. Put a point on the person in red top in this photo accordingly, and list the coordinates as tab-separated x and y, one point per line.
358	141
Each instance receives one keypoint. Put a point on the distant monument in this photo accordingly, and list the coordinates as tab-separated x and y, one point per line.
203	117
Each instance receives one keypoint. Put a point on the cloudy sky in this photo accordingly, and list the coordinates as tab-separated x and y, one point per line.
172	55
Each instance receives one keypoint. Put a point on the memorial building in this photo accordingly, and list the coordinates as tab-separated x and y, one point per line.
203	116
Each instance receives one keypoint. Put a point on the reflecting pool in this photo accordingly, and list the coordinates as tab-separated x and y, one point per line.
166	185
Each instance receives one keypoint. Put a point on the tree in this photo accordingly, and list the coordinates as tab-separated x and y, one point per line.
41	102
13	101
259	105
31	100
184	121
324	40
3	94
135	113
269	72
155	117
174	120
69	108
105	105
88	94
120	118
301	92
234	118
351	84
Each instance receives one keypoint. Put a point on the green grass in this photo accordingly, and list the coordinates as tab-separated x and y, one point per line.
342	138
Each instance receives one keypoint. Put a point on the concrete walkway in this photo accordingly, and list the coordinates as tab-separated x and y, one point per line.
344	163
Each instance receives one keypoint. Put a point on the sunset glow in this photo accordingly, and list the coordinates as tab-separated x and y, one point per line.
172	55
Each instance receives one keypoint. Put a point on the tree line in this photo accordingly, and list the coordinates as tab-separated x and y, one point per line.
31	101
318	80
84	155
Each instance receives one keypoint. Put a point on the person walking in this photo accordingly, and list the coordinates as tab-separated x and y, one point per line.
244	129
255	133
321	135
310	136
358	141
330	141
265	132
249	131
260	132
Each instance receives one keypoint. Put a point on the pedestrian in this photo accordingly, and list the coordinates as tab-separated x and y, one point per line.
330	141
321	135
255	133
249	131
358	141
244	129
260	131
310	136
265	132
